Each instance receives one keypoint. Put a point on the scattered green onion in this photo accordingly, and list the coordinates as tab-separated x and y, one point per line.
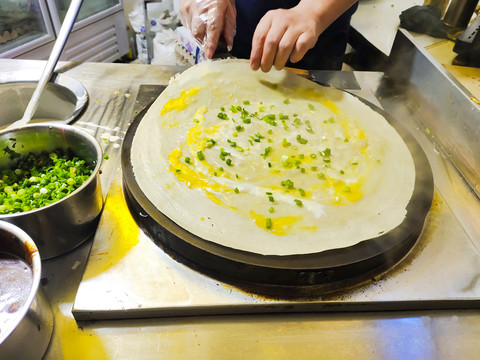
287	184
222	116
268	223
298	202
301	140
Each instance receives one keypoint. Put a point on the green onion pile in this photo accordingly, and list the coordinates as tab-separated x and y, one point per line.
40	179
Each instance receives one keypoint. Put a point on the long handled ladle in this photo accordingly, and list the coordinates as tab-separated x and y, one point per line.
65	30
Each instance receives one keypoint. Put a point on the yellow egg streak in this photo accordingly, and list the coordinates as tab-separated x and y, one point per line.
282	225
179	103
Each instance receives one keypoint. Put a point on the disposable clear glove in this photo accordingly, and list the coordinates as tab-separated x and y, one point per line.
207	20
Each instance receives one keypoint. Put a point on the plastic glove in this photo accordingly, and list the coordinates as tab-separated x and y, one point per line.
207	20
285	34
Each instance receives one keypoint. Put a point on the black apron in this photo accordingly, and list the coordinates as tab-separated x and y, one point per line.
326	55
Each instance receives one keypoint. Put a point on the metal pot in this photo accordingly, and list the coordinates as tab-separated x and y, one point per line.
65	224
27	333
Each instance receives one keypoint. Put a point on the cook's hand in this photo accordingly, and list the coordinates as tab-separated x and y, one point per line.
285	34
207	20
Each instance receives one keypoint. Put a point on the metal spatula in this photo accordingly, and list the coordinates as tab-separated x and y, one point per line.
65	30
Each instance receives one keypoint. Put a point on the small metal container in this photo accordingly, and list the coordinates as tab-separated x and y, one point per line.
65	224
459	14
28	333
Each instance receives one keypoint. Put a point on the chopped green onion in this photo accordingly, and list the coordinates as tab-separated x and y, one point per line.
301	140
200	155
267	151
39	179
209	143
287	184
268	223
222	116
285	143
298	202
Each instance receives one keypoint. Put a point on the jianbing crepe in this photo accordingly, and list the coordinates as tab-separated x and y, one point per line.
270	163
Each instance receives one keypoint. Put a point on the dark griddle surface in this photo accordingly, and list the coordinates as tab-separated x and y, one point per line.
293	274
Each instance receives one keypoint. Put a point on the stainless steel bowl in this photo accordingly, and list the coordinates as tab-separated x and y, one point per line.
27	332
65	224
63	99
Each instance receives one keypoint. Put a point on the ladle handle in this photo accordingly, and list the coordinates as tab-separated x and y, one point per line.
58	47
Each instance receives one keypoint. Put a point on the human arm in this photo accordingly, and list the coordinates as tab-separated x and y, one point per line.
284	34
207	20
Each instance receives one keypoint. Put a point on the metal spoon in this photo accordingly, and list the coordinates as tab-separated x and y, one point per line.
65	30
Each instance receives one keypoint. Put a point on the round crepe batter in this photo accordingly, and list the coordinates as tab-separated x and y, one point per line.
270	163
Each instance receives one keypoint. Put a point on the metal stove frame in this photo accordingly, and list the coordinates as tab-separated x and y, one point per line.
128	276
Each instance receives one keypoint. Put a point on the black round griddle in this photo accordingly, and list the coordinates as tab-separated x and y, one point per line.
290	275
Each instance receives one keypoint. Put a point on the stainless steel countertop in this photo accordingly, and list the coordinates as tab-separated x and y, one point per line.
369	335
